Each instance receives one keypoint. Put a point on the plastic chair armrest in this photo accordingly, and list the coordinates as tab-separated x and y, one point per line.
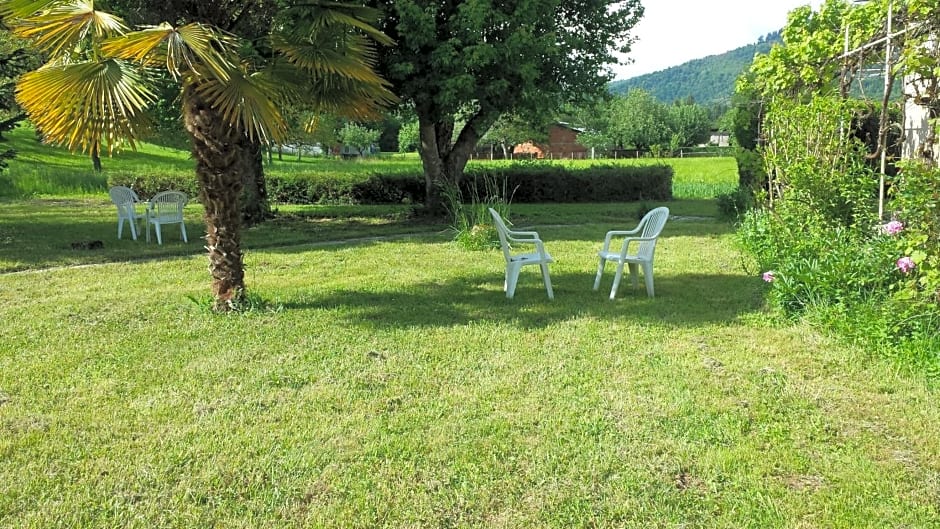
628	240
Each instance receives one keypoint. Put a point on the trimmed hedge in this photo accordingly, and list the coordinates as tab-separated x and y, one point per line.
534	183
148	185
526	182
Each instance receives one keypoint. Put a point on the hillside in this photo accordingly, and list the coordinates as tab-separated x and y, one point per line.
708	80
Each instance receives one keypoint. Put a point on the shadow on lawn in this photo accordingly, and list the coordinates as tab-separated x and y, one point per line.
682	300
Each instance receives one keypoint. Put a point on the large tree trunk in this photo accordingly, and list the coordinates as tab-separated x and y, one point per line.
443	158
220	151
255	206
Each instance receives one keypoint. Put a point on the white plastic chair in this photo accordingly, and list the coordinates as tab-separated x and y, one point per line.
126	200
514	263
643	239
166	207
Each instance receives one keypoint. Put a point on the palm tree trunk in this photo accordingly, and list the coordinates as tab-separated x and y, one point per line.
219	150
255	206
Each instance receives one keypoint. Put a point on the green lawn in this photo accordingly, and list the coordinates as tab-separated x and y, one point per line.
389	383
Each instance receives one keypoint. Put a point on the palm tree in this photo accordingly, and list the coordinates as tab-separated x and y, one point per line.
94	90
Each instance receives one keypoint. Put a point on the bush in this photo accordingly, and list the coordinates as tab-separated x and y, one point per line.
531	182
536	182
751	173
148	185
736	203
815	264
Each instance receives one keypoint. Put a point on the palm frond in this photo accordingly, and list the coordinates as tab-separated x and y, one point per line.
26	8
355	58
85	104
60	29
338	94
213	49
247	102
317	15
193	48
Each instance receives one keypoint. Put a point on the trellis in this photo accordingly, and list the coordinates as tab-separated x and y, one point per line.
888	41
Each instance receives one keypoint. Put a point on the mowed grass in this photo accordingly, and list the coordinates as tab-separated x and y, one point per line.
40	232
389	383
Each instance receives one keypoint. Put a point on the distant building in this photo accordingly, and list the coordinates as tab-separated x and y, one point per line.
719	138
916	123
562	144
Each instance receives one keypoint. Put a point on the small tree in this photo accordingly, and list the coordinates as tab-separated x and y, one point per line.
359	137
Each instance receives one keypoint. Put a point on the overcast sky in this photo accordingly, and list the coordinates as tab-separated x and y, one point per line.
672	32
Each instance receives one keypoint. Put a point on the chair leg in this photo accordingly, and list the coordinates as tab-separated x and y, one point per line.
120	226
512	277
156	228
133	223
648	277
547	280
183	229
617	276
600	272
633	275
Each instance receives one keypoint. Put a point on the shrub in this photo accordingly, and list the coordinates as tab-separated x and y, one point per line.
147	184
751	173
532	182
736	203
471	221
536	182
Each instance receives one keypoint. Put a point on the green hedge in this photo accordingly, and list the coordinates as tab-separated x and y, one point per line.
148	185
527	182
534	183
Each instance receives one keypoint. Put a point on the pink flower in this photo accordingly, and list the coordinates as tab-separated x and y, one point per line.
769	276
892	228
905	264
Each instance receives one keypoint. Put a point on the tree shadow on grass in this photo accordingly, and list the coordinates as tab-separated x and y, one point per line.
685	300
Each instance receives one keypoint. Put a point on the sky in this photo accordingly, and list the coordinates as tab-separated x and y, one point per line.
673	32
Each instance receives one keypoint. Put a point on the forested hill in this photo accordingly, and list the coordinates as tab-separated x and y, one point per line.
708	80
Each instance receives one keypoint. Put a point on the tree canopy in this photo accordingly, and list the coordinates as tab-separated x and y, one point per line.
470	62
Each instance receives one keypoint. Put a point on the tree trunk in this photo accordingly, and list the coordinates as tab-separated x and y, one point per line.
254	204
96	157
220	152
443	158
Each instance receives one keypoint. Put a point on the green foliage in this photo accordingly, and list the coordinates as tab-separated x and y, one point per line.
462	65
689	123
359	137
471	221
532	182
639	120
408	137
147	182
751	172
815	263
817	165
734	204
916	204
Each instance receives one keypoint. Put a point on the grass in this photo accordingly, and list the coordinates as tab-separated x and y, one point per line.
39	232
390	383
383	379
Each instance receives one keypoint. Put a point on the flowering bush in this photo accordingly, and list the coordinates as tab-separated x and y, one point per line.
892	228
905	264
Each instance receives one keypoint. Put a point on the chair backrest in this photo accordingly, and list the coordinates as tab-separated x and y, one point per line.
503	232
122	195
167	206
650	227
